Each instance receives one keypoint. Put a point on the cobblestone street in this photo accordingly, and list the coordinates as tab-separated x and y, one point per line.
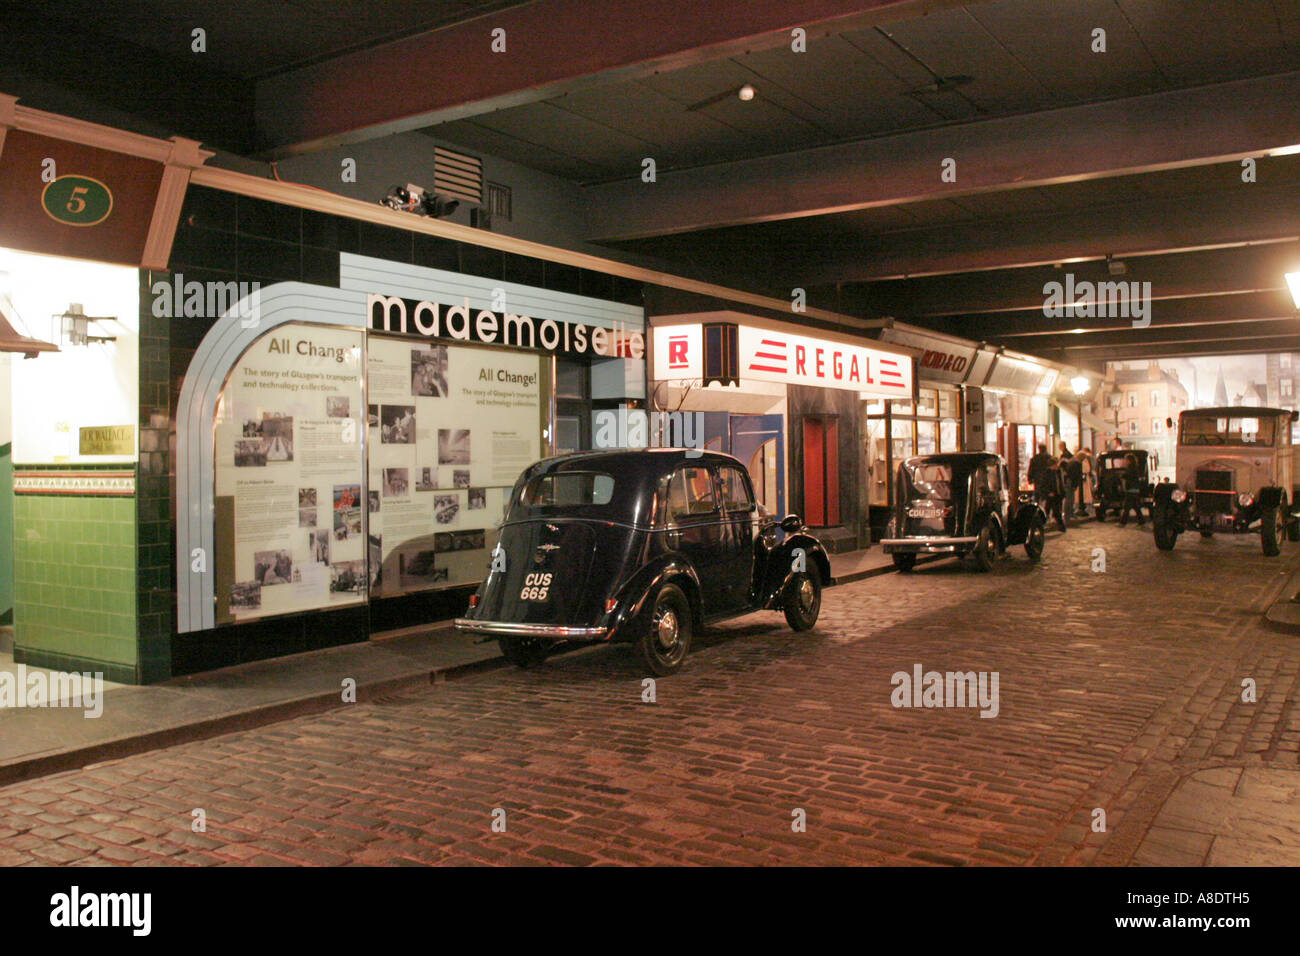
1114	686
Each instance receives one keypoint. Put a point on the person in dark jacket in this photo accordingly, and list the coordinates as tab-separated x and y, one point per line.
1071	475
1045	476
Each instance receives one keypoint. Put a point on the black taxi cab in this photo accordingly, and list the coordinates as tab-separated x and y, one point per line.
640	546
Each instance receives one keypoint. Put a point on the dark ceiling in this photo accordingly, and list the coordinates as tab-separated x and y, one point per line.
827	180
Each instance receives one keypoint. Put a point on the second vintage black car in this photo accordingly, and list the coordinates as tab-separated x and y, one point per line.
1124	483
961	504
643	547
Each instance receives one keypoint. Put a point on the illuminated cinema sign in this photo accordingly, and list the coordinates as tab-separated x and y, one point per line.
465	324
767	355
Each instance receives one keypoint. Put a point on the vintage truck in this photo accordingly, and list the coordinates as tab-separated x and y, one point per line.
1235	474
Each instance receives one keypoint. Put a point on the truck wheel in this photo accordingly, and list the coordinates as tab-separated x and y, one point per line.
904	562
523	652
1272	529
803	600
667	634
982	553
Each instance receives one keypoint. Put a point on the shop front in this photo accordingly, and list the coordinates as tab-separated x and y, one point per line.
345	453
785	400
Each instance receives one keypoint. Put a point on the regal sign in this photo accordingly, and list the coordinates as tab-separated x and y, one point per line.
765	355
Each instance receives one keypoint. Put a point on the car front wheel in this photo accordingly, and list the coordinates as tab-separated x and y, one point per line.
982	554
1164	531
523	651
803	600
667	635
1272	530
1034	541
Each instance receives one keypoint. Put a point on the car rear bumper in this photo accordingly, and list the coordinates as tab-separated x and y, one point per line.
546	632
937	545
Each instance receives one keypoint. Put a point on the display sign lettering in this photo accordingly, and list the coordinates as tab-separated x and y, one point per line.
790	359
462	323
107	440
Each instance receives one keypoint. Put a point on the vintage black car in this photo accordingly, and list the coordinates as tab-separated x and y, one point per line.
1124	483
961	504
644	547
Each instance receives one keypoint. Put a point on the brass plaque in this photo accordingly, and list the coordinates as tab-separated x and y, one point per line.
108	440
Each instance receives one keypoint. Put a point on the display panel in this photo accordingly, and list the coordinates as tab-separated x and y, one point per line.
450	430
289	466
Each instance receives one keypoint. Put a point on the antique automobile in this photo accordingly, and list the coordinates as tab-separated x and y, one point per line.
961	504
642	547
1124	483
1235	473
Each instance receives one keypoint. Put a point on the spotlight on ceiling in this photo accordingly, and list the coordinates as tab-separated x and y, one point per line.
746	92
1116	267
1293	283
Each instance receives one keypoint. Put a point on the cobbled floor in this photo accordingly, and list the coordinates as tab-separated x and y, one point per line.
1113	685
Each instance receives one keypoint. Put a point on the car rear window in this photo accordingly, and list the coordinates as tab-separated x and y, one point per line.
568	489
931	479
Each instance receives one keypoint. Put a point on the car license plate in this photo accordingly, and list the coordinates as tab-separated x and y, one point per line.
537	586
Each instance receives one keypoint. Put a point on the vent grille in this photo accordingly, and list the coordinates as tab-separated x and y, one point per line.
499	201
457	176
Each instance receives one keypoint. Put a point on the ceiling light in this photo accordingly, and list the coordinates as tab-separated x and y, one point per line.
1285	150
1293	283
746	92
1116	267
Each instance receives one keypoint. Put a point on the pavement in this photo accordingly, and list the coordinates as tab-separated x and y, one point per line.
37	741
1144	685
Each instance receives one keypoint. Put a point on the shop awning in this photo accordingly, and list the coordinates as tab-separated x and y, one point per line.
1089	419
11	341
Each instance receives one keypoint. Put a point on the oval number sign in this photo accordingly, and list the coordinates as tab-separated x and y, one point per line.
77	200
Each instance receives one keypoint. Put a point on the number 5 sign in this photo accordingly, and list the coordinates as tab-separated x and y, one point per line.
77	200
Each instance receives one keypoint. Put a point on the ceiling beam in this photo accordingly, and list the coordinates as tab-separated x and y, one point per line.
551	47
1252	212
1242	269
1191	127
1029	327
1101	341
1285	343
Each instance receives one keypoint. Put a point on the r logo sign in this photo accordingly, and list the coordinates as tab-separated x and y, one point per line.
77	200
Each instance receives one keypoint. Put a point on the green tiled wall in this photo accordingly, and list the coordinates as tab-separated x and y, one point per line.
75	583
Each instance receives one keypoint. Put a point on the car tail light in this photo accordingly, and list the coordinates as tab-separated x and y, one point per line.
473	600
610	605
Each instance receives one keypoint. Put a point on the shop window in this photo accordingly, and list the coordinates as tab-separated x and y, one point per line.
927	438
821	471
949	435
877	462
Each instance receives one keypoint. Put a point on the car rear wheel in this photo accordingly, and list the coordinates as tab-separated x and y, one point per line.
904	562
523	652
667	635
803	599
1034	540
1272	530
1207	534
981	554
